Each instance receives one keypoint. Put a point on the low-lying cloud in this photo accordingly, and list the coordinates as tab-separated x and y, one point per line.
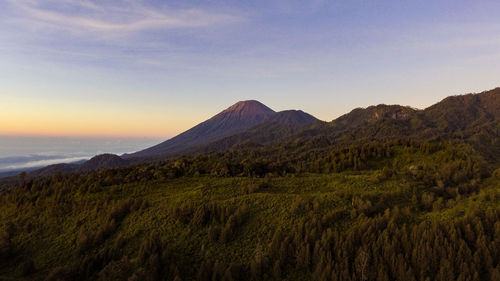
34	161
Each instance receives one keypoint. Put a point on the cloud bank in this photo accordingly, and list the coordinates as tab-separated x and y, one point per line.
40	163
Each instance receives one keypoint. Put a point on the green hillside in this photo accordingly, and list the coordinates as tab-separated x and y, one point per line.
401	210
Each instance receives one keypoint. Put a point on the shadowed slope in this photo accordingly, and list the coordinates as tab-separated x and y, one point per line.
103	161
235	119
279	126
474	118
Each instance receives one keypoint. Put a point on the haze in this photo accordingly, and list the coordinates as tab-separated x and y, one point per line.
18	152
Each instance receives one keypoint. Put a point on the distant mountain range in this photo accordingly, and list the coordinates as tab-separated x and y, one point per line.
474	118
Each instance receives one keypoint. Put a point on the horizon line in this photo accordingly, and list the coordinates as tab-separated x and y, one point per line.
166	137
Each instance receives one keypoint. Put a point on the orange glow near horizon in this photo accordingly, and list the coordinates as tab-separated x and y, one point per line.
44	126
64	119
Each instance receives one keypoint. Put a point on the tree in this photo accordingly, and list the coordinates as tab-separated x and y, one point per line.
361	264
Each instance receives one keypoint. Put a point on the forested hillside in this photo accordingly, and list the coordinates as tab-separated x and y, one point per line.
381	193
396	210
472	118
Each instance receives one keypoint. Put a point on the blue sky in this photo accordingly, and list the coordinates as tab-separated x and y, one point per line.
156	68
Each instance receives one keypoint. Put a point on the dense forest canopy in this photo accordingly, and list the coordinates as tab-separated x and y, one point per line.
401	210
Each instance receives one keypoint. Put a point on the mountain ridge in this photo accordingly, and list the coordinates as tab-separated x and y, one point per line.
471	117
234	119
281	125
474	118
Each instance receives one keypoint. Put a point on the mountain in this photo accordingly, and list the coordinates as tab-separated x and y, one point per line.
243	122
291	117
465	111
235	119
367	116
474	118
254	208
102	161
279	126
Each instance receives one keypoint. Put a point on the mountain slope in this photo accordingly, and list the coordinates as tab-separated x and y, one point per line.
254	215
291	117
102	161
279	126
367	116
465	111
233	120
474	118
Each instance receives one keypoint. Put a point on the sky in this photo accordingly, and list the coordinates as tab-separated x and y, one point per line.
148	70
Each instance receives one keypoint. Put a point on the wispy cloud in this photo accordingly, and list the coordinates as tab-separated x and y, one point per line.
41	163
119	18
